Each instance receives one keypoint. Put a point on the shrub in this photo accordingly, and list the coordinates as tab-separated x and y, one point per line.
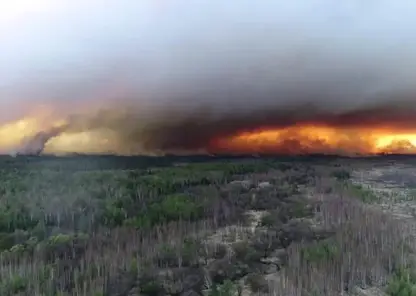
228	288
366	195
14	285
403	283
257	283
341	175
171	208
321	251
269	220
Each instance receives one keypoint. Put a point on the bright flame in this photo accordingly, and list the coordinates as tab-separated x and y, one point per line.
388	140
320	139
292	140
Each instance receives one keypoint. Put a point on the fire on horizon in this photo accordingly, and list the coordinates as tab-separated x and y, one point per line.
152	77
297	139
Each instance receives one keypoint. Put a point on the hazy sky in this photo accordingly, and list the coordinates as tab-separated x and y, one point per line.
229	57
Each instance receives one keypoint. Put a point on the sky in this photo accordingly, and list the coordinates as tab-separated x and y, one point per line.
140	72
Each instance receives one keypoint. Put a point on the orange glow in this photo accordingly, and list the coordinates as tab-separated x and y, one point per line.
98	141
299	139
13	134
319	139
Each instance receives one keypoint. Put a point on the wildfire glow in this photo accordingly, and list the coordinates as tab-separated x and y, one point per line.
83	142
13	134
320	139
300	139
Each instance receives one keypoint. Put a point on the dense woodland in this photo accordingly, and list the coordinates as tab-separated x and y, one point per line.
201	225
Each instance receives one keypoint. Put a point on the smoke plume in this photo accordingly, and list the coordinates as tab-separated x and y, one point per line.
176	75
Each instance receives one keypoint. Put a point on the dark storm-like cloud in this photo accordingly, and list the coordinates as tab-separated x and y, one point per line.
176	75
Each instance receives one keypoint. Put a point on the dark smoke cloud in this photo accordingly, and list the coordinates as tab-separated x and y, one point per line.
35	145
175	75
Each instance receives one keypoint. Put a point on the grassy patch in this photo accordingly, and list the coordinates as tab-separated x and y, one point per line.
364	194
